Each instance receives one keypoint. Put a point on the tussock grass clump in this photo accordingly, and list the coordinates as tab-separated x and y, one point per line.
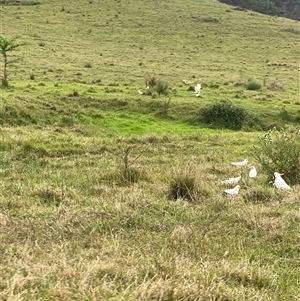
279	150
224	114
183	185
253	85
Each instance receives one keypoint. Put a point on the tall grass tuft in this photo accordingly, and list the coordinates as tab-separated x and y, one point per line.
183	185
151	80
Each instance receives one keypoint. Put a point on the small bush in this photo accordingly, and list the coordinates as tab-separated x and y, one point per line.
253	85
161	87
223	114
279	150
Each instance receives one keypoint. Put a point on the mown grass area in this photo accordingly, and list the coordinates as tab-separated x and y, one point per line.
87	163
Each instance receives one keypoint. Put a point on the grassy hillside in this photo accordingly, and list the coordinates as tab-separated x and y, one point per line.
87	163
121	42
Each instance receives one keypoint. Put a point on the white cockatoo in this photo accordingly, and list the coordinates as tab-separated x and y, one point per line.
279	182
233	191
232	180
240	164
197	90
252	172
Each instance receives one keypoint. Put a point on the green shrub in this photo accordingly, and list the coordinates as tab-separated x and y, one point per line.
161	87
280	151
253	85
223	114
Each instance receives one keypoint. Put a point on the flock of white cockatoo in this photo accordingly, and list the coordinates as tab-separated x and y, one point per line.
279	182
197	88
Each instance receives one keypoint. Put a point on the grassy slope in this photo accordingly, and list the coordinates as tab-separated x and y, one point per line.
70	230
144	38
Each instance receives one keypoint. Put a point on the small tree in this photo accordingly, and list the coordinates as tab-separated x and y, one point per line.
8	45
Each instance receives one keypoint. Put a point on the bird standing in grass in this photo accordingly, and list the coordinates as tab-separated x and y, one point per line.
233	191
252	172
232	180
240	164
197	90
280	183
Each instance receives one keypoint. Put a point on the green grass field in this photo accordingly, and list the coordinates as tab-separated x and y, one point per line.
86	163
